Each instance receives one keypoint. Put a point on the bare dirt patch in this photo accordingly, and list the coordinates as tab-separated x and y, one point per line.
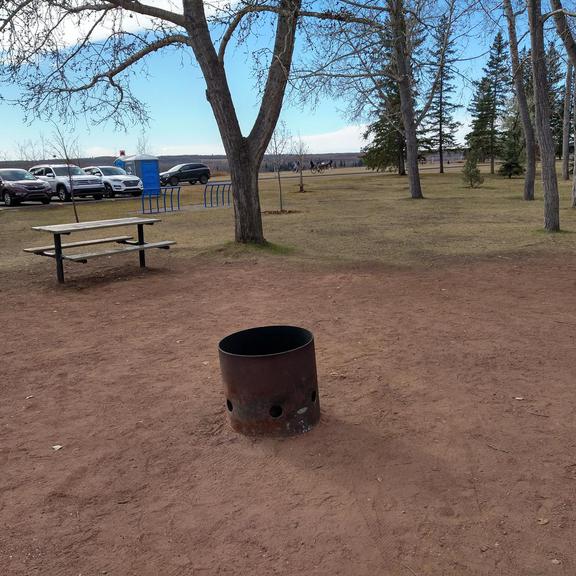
446	444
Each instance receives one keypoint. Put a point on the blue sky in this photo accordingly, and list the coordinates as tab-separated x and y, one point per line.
182	121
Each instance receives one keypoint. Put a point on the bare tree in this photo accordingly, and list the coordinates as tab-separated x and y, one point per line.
542	105
520	93
278	149
300	150
29	151
62	74
66	147
563	28
566	123
389	40
143	144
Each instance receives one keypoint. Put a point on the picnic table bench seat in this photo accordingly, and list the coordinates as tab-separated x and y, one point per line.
133	248
51	248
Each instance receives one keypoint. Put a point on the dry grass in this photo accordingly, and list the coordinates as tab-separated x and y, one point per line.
343	217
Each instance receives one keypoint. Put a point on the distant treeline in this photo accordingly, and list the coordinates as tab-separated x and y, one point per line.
216	163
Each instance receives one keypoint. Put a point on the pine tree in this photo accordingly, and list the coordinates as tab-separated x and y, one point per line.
440	127
556	85
489	103
470	172
388	147
513	150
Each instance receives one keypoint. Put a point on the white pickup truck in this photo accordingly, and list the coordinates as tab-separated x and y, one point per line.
59	176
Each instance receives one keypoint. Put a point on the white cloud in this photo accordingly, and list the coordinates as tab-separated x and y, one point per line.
93	151
346	139
202	149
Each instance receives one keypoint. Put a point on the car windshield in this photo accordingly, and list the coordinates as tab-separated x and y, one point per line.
112	171
14	175
176	168
63	171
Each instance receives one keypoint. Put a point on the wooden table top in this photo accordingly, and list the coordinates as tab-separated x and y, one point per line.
94	225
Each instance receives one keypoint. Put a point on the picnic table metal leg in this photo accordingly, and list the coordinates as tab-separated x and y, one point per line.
140	242
58	258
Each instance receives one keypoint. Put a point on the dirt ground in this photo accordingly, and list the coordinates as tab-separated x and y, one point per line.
447	442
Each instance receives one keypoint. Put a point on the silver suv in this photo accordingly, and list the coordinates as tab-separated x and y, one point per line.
116	180
58	176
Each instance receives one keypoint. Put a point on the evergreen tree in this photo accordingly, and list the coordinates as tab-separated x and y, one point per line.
388	147
489	103
440	127
513	143
470	172
512	146
556	85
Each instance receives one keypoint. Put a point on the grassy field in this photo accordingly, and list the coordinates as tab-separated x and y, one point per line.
343	217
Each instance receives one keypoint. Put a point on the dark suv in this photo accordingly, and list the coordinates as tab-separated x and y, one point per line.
19	186
185	173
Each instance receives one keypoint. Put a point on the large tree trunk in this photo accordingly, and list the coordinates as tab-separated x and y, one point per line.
244	154
573	192
401	57
401	145
543	130
441	125
567	38
244	177
492	138
527	128
566	123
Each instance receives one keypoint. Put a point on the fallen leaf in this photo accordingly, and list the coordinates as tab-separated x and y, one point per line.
555	561
543	521
57	447
205	363
518	397
28	397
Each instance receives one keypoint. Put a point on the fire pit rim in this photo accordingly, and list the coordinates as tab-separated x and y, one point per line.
308	334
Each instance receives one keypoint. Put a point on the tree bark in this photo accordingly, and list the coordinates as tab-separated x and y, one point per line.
566	123
441	125
543	130
244	153
573	192
527	128
401	56
244	177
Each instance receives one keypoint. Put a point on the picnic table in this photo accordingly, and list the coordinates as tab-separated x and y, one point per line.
130	244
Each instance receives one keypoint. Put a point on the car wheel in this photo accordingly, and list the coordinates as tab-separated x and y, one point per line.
174	181
8	200
136	194
63	194
45	200
97	196
109	191
203	179
192	182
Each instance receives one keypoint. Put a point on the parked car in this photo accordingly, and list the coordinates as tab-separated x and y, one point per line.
58	176
116	180
18	185
185	173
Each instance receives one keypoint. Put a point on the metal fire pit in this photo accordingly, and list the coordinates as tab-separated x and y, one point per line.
270	382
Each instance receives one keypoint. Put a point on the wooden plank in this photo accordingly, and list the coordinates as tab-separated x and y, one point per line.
40	249
88	255
94	225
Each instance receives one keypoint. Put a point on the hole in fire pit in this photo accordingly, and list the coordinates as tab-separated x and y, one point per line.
276	411
229	406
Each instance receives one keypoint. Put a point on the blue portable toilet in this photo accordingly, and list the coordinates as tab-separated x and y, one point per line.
144	166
